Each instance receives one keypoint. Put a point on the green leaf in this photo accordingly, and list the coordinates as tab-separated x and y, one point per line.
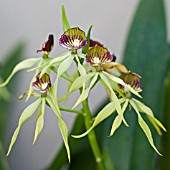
26	114
3	160
4	93
10	60
66	24
85	93
144	127
40	120
20	66
165	147
85	49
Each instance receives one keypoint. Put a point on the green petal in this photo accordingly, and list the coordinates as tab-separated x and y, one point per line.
102	115
85	93
31	89
54	62
81	69
26	114
20	66
143	108
120	81
78	83
40	120
61	124
65	65
113	96
118	120
144	127
45	63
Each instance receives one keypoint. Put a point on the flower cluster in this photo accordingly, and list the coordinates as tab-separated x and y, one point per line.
94	64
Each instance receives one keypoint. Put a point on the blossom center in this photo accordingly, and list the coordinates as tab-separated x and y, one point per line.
96	60
76	42
44	86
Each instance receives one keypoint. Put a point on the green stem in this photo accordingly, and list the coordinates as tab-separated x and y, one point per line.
92	137
79	112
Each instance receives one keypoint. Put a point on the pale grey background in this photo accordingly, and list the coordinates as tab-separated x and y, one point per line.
31	21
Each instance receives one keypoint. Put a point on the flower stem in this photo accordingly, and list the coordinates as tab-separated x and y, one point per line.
79	112
92	137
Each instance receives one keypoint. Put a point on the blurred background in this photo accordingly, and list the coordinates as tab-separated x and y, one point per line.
30	22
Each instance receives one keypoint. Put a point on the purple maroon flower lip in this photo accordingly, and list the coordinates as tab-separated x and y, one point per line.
73	38
43	84
131	79
98	56
94	43
47	46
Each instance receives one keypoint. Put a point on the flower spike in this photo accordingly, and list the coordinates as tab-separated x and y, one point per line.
74	39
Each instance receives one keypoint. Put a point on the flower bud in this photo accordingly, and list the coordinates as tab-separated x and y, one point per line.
47	46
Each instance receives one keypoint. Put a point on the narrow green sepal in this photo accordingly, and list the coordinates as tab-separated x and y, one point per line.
65	22
85	48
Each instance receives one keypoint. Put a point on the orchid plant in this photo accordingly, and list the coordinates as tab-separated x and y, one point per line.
94	64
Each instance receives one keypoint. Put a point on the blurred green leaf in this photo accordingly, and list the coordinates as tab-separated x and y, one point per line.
165	160
145	54
3	160
11	59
